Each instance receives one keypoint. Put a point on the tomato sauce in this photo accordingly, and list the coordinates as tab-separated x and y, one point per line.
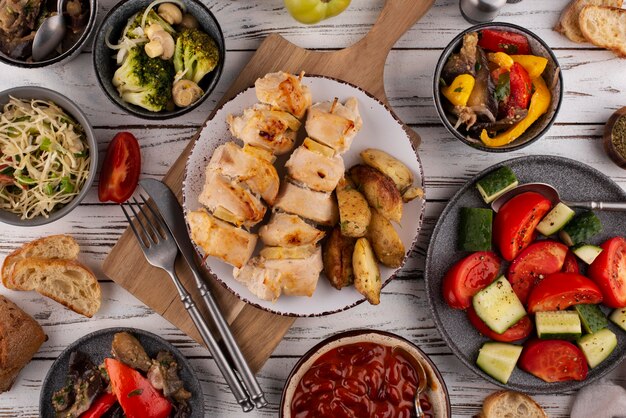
358	381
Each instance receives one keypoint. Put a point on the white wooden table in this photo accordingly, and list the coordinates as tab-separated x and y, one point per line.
595	85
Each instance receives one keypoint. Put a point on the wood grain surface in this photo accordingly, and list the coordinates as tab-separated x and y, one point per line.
595	85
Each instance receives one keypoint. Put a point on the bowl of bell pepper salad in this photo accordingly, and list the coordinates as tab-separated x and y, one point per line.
497	87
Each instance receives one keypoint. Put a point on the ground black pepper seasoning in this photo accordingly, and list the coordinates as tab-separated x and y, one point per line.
615	137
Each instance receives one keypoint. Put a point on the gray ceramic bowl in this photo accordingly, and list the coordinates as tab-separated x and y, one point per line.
552	71
33	92
97	346
69	53
112	26
436	390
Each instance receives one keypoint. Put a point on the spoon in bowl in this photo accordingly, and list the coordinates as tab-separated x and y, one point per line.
50	34
422	380
553	195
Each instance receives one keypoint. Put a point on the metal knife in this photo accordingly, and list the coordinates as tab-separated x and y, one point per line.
172	213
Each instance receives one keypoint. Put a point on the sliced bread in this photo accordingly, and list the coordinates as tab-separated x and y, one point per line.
52	247
510	404
605	27
66	281
568	22
20	338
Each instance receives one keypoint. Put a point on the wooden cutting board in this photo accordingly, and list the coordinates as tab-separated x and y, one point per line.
258	332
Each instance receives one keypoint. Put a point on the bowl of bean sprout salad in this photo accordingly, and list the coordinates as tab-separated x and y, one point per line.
48	156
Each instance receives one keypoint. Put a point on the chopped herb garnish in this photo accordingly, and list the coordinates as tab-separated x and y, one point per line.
458	89
135	392
503	89
66	185
45	144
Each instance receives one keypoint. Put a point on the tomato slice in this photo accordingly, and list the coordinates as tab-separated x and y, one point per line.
521	90
570	265
608	271
534	264
515	222
120	171
519	331
468	276
553	360
503	41
560	290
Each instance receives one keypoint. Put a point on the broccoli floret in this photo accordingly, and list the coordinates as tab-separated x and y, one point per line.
130	31
196	54
144	81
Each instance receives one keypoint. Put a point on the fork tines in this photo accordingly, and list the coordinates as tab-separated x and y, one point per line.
152	227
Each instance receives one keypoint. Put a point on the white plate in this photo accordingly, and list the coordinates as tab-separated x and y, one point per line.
381	129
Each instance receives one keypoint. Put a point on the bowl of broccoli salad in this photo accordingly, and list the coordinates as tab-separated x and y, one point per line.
158	59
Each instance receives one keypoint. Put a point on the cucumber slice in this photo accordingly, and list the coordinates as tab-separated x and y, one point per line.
592	317
498	359
498	305
584	226
556	219
475	229
598	346
619	317
562	325
496	183
586	252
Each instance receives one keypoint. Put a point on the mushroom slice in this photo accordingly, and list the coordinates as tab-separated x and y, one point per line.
317	171
285	230
319	207
285	92
185	92
261	126
334	124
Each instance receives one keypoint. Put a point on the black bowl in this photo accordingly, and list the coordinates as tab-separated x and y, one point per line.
97	346
68	54
112	26
552	71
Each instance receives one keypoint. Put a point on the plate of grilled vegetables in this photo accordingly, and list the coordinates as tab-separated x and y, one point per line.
303	195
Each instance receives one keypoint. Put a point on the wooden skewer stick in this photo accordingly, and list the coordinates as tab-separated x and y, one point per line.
332	107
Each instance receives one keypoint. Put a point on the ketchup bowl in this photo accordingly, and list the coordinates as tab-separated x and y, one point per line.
356	373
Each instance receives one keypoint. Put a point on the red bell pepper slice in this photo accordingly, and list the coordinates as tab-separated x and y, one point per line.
137	397
502	41
521	89
100	406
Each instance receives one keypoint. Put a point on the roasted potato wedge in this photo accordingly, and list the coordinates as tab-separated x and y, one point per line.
337	255
281	253
354	212
366	272
386	243
390	166
379	190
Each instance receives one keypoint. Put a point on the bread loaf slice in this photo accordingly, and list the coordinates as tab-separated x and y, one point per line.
66	281
20	338
568	22
510	404
605	27
52	247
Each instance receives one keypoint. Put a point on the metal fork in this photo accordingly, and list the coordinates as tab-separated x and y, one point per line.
157	244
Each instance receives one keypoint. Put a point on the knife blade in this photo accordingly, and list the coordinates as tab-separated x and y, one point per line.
172	213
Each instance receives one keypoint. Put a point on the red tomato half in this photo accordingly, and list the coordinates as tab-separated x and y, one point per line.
534	264
521	90
570	265
553	360
608	270
120	171
519	331
559	291
515	223
502	41
468	277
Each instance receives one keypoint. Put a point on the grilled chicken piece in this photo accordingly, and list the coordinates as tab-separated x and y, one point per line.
264	283
232	196
319	207
285	92
299	276
264	127
257	173
220	239
285	230
316	171
334	124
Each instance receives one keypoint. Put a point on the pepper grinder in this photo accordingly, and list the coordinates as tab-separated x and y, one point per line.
480	11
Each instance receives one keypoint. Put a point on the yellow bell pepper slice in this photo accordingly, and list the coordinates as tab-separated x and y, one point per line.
539	103
459	91
533	64
502	59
